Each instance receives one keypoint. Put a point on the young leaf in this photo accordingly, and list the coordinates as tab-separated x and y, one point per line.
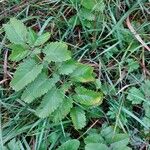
57	52
67	67
88	97
62	111
83	73
25	74
70	145
51	101
42	39
96	146
78	118
19	52
16	31
39	87
135	96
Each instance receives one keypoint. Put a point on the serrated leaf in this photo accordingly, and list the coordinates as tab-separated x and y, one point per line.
94	138
70	145
50	102
62	111
41	39
25	74
57	52
88	97
96	146
135	96
41	85
16	31
67	67
83	73
18	53
78	118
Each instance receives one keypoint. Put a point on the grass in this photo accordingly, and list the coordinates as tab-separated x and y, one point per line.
119	60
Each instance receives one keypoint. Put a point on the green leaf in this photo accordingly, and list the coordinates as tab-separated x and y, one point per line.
97	5
146	107
83	73
88	97
132	65
107	133
18	53
121	138
16	31
146	88
146	120
39	87
13	145
135	96
119	141
94	138
42	39
51	101
67	67
57	52
25	74
32	36
86	14
62	111
78	118
96	146
70	145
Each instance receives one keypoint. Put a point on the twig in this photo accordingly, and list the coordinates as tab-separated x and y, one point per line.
136	34
1	82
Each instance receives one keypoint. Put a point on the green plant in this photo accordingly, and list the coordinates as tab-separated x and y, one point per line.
90	13
47	74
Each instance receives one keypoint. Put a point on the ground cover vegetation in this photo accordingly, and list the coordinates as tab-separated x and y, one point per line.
74	74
